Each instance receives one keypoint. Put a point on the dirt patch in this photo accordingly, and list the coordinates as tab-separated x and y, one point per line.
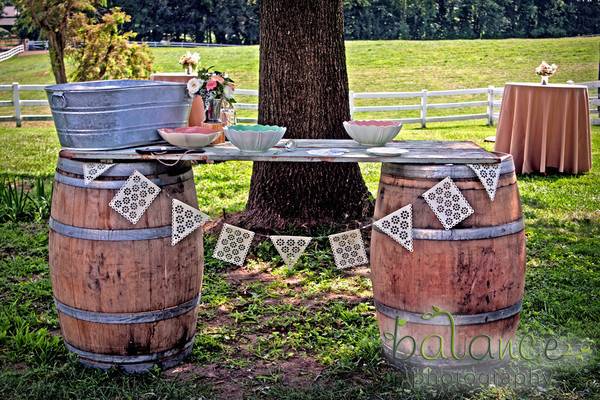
33	53
221	318
236	383
240	275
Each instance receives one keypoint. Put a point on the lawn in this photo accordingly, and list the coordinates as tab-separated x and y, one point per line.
379	66
309	331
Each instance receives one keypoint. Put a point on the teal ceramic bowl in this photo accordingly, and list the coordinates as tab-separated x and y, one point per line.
254	138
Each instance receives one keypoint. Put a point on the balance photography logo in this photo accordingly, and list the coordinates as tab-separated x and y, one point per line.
443	354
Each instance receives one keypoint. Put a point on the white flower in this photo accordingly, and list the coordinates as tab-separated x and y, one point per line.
193	86
195	58
188	58
228	92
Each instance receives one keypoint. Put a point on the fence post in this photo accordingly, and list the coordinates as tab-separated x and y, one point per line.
351	101
17	102
423	108
490	107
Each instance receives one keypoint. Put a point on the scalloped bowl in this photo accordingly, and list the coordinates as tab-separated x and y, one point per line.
193	137
372	133
254	138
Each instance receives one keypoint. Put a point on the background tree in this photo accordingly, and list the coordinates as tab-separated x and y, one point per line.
99	51
236	21
303	85
52	18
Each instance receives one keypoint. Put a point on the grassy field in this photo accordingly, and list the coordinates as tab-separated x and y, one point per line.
308	332
380	65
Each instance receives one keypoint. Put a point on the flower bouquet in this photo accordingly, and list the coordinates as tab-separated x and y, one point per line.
190	62
213	87
546	70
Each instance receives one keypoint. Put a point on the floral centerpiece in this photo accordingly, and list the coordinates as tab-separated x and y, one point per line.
214	87
546	70
190	62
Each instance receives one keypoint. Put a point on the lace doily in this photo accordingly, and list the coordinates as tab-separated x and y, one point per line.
448	203
233	244
348	249
290	248
93	170
184	220
134	197
488	174
398	226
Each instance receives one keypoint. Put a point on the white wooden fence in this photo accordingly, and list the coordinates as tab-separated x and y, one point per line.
43	44
594	102
489	104
12	52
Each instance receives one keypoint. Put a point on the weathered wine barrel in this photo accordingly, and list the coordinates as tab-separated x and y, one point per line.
474	271
125	297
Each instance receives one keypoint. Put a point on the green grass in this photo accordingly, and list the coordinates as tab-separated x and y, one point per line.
309	332
379	65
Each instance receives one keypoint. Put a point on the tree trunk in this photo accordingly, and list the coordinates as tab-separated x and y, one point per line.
304	87
57	56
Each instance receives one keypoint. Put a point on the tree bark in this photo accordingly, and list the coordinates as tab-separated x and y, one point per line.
57	56
303	86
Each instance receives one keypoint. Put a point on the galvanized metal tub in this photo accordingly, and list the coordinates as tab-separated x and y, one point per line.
115	114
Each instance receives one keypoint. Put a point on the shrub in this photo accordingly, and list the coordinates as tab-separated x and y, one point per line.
100	51
22	200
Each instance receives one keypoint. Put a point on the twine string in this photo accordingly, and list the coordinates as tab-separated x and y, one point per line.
173	163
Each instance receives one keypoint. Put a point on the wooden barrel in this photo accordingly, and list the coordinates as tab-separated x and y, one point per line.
474	271
125	297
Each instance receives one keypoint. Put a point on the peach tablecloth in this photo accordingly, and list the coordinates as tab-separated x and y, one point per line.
545	126
197	112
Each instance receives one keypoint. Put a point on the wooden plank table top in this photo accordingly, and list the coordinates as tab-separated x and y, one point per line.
419	152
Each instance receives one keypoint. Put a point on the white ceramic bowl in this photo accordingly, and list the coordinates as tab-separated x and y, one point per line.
193	137
372	133
254	138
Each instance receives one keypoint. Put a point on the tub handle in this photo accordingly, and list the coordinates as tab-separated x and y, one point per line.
59	100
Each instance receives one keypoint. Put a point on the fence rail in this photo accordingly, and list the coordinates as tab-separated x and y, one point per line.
43	44
12	52
491	104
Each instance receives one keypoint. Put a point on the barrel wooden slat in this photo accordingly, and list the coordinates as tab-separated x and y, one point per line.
160	279
504	329
133	340
78	213
465	277
408	191
445	274
122	278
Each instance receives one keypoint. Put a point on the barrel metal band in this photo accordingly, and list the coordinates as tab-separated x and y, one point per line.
460	319
127	318
109	235
485	232
454	171
96	184
109	358
124	169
